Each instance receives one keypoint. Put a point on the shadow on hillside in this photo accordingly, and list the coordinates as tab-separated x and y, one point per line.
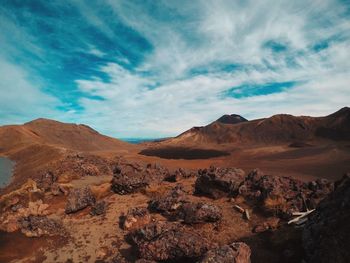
183	153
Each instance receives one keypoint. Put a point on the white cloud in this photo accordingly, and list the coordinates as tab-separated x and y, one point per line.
20	100
161	96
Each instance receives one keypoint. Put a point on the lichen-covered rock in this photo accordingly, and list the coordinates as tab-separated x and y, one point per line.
234	253
136	218
192	213
37	226
169	241
219	182
79	199
169	202
326	235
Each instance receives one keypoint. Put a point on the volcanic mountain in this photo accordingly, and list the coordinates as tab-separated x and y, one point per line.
35	144
49	132
276	129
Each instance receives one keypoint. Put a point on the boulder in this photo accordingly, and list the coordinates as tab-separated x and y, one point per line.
169	202
238	252
135	218
192	213
79	199
326	235
218	182
168	241
129	178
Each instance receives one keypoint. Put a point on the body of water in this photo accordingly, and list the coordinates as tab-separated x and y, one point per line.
140	140
6	169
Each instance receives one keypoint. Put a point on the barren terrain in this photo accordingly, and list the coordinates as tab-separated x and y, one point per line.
73	190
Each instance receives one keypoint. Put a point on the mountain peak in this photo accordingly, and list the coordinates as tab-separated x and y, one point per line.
231	119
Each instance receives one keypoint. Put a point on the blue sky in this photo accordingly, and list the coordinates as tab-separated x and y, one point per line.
156	68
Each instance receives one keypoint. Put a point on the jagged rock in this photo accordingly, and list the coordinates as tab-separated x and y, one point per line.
218	182
46	180
136	218
178	174
281	195
193	213
37	226
234	253
326	235
129	178
169	202
79	199
99	208
167	241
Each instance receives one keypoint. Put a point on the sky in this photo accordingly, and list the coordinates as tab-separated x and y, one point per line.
143	68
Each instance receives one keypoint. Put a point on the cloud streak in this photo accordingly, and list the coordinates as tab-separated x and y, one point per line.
152	69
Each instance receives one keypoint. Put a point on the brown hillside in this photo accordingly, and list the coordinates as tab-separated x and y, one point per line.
54	133
276	129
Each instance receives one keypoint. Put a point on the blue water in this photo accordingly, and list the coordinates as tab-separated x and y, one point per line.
139	140
6	168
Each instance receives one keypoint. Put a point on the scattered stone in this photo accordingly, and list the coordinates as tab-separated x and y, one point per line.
234	253
136	218
79	199
167	241
99	208
37	226
192	213
218	182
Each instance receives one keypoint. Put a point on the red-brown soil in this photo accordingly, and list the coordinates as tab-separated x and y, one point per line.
81	157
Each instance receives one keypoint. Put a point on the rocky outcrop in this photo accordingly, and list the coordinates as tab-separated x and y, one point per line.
326	236
37	226
236	252
167	241
169	202
129	178
79	199
135	218
9	220
192	213
218	182
281	196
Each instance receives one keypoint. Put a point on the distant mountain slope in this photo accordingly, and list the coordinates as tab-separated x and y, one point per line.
278	128
231	119
58	134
